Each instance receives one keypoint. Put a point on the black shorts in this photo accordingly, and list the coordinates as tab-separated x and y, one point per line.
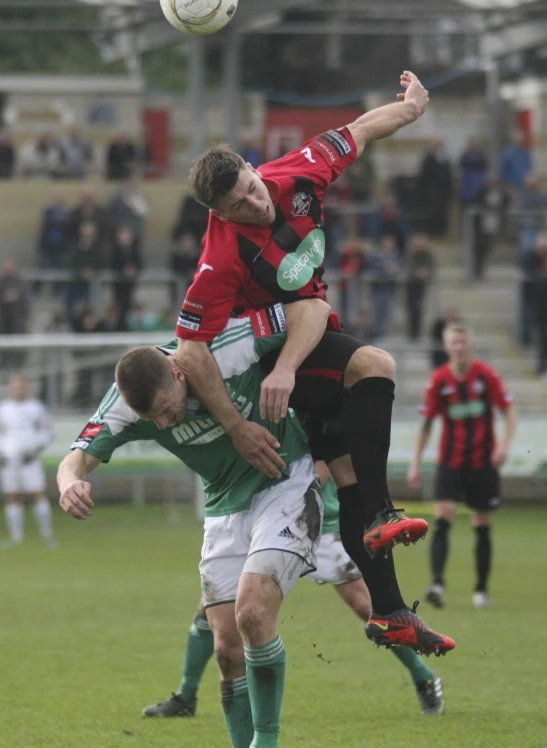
319	392
479	489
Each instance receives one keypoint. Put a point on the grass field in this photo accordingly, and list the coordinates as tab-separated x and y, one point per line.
94	631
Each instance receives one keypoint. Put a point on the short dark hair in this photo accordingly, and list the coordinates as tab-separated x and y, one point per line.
140	375
214	174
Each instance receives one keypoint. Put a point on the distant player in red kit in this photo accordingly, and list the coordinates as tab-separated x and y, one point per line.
265	243
464	392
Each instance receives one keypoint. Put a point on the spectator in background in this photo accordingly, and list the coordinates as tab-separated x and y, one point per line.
54	234
530	307
40	160
121	158
540	307
86	259
385	266
421	266
531	204
360	177
126	263
183	262
353	261
473	173
7	156
389	220
89	211
14	310
75	155
515	163
128	209
435	180
88	374
192	219
251	152
492	201
336	220
167	320
139	320
439	356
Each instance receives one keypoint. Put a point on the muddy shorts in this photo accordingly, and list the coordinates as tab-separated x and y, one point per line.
285	517
334	566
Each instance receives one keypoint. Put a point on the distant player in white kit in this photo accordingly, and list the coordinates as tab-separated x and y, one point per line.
25	431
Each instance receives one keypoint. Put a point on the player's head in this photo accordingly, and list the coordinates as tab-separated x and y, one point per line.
19	386
153	385
232	189
459	343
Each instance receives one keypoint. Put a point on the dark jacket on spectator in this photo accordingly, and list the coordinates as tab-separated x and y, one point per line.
85	255
193	219
54	235
121	159
13	304
7	160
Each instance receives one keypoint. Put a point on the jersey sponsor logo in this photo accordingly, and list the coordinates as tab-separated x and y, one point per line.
338	142
478	386
296	269
204	266
301	205
306	152
447	390
286	533
81	443
268	321
91	430
189	320
324	147
471	409
201	431
193	303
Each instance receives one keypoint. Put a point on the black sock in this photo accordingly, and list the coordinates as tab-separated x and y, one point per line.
483	557
379	573
366	417
439	550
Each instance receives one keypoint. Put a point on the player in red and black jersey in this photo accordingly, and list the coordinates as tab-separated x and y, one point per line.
465	393
264	243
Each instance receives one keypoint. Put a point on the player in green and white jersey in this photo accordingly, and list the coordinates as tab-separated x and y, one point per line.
260	534
335	567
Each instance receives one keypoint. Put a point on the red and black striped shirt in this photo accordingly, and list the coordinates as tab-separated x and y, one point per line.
247	267
467	409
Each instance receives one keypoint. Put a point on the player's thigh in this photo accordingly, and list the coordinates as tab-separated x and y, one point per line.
334	566
11	480
449	488
320	378
223	554
286	522
483	493
33	478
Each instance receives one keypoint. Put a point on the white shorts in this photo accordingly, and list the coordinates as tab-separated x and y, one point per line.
334	566
20	477
286	517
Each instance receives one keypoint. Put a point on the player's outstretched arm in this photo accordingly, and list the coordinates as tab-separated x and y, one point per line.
306	323
385	120
252	441
75	491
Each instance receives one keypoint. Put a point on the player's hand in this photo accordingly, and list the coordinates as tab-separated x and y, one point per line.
414	477
274	396
501	453
258	446
76	499
414	91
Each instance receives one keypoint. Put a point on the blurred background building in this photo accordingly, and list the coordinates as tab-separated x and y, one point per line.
104	105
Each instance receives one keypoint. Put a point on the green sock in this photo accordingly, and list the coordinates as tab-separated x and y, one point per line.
237	711
266	681
414	664
199	650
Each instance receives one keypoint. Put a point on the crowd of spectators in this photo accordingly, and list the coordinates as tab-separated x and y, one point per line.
71	156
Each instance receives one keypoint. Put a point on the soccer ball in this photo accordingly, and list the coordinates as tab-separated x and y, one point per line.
199	16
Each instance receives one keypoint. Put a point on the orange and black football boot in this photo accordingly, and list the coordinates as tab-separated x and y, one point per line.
390	528
405	629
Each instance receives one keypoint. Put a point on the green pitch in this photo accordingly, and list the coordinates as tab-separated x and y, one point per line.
93	632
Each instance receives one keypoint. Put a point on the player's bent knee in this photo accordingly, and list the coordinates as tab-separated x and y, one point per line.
369	362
